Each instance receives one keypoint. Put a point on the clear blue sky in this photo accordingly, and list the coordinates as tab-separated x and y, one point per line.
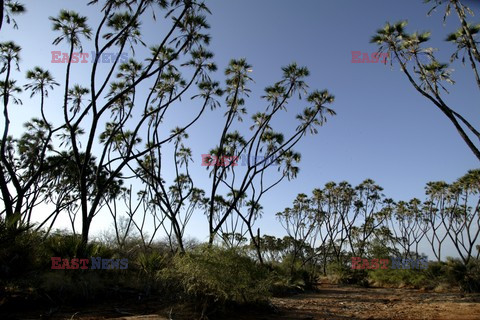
384	129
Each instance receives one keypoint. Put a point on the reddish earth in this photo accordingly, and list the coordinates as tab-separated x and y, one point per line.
371	303
330	302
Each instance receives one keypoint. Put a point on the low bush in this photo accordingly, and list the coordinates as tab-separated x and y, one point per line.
17	256
400	278
152	267
286	283
218	277
288	278
344	274
68	246
450	274
466	275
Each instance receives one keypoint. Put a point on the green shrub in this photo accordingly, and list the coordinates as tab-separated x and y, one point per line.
216	276
289	278
152	266
399	277
19	250
467	276
74	286
344	274
286	282
68	246
436	270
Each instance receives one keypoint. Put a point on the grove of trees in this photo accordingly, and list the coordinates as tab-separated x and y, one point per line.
111	142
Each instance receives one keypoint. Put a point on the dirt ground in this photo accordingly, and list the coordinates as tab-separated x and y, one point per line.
371	303
330	302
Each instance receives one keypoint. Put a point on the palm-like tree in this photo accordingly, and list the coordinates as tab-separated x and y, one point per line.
390	38
272	140
293	78
255	208
75	95
129	71
41	82
460	39
234	141
191	31
470	182
260	119
437	190
34	143
399	45
411	46
31	145
308	120
123	102
208	90
237	71
72	26
432	75
462	11
8	8
319	99
178	134
120	21
9	53
201	60
275	95
290	159
161	54
10	88
170	83
394	39
184	155
238	196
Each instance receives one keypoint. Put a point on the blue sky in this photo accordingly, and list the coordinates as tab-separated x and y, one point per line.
384	129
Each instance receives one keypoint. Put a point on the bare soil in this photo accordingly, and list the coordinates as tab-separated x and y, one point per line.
335	302
329	302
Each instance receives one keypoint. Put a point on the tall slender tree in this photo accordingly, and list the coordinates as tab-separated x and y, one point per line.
428	78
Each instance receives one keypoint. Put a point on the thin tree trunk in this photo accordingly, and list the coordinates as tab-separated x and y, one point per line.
2	4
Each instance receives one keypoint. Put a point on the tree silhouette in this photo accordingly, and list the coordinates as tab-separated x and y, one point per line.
406	48
8	8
